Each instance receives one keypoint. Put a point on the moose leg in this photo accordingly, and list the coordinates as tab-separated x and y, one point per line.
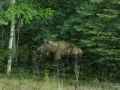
58	68
76	70
63	69
57	59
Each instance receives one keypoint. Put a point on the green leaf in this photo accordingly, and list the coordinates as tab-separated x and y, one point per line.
3	22
96	1
106	16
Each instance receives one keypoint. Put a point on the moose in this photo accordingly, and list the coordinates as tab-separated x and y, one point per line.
60	50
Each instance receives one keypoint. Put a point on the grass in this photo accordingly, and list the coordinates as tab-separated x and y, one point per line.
10	83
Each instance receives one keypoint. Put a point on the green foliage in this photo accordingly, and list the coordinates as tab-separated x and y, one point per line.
2	10
3	50
27	12
92	25
96	1
3	22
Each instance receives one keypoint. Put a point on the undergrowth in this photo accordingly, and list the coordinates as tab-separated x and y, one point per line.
51	83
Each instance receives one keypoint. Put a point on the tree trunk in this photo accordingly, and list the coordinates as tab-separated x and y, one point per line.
12	33
17	41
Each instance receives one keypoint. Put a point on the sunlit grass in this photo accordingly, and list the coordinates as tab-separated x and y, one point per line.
7	83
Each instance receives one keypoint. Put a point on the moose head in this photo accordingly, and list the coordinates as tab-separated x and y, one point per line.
47	46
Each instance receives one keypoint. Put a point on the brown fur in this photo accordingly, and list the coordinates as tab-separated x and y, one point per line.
56	48
76	53
60	49
72	52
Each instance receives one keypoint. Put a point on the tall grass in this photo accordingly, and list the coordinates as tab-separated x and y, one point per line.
10	83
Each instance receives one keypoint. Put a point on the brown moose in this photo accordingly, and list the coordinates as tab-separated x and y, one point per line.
62	49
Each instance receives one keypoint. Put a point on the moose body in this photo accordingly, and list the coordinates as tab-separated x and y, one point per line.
56	48
62	49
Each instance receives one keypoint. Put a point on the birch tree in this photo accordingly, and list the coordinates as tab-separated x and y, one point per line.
12	33
25	12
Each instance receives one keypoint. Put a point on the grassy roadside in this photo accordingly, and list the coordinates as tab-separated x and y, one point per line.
51	84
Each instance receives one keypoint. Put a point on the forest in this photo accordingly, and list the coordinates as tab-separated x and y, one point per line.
91	25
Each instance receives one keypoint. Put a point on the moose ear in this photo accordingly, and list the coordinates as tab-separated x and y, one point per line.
45	40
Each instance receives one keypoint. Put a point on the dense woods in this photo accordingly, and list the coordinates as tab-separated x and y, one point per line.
92	25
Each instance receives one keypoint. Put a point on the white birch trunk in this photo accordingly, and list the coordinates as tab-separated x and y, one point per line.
11	41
